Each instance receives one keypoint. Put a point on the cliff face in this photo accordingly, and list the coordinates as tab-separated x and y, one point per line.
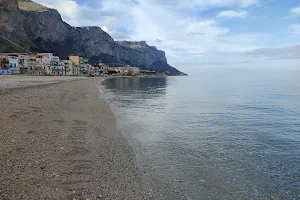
39	28
11	27
10	20
47	25
9	4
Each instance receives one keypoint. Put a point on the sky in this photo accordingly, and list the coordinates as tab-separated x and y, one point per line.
197	33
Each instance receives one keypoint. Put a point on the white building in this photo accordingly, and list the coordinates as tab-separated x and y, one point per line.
14	64
52	64
5	72
46	58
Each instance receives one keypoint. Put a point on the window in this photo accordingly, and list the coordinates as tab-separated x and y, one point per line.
15	65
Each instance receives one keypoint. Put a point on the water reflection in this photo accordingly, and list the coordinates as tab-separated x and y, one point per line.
138	94
145	85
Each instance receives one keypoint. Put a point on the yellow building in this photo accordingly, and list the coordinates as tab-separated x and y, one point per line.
75	59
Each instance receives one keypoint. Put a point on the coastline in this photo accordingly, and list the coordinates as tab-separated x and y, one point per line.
59	140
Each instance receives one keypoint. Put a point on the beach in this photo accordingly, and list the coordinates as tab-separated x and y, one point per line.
58	140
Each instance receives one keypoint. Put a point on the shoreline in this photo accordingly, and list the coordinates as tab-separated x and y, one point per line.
60	141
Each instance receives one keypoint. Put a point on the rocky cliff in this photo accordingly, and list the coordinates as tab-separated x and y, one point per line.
38	28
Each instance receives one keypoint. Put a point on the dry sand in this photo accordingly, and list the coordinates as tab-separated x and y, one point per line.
58	140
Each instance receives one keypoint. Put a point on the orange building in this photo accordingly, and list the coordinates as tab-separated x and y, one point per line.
4	62
74	59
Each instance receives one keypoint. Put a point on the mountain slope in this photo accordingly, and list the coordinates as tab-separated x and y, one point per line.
38	28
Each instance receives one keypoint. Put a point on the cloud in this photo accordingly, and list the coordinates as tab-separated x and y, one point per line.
192	36
199	64
233	14
71	11
207	4
181	35
115	34
295	12
158	41
296	28
288	52
171	28
246	38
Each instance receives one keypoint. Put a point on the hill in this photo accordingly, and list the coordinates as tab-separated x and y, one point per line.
38	28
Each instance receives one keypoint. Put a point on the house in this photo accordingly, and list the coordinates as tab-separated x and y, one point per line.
48	61
58	69
44	58
112	71
14	64
84	66
147	73
47	69
4	65
97	71
75	59
103	68
23	64
80	64
35	67
90	70
69	67
51	64
132	71
122	71
57	66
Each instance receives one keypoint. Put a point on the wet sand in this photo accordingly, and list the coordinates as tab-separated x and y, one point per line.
58	140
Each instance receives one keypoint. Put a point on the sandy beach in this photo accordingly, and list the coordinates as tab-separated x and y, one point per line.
58	140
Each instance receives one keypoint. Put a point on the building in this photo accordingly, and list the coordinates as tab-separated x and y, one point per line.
133	71
75	59
69	67
45	64
57	66
14	64
58	69
147	73
112	71
85	67
48	70
48	62
35	67
103	69
4	65
90	70
97	71
122	71
54	61
45	58
23	64
80	64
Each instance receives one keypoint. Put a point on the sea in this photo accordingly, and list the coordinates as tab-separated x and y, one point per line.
221	133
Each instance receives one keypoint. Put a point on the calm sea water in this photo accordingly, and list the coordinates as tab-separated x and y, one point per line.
223	134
